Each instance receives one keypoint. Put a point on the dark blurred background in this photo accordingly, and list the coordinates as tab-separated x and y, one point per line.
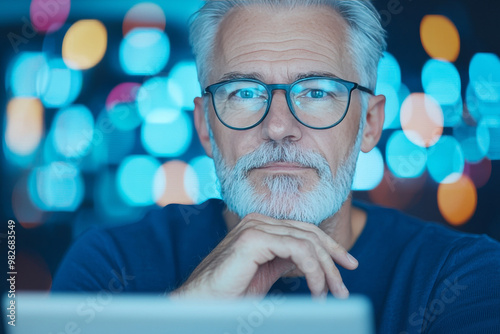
97	119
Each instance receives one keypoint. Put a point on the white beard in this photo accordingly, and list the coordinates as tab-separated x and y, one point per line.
286	199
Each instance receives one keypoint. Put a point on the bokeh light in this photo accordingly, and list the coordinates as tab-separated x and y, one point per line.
144	15
160	94
49	151
73	131
85	44
109	204
163	136
184	75
440	37
369	170
204	168
119	144
135	180
56	187
176	182
483	92
144	51
26	213
441	80
122	107
404	158
445	160
389	71
25	125
122	93
472	112
22	74
453	113
494	134
422	119
402	95
49	16
399	193
57	84
98	156
474	140
457	201
484	73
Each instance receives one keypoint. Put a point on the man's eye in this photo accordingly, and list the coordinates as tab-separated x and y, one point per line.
246	94
316	94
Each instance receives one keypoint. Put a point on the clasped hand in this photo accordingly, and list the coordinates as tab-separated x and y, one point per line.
260	250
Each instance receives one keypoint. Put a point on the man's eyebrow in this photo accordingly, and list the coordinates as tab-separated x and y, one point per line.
314	74
241	75
258	76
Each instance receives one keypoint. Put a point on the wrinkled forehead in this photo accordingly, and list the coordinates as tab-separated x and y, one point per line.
282	43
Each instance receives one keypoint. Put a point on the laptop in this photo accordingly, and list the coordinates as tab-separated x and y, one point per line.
105	313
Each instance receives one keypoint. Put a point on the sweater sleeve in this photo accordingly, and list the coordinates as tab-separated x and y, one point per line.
91	266
466	296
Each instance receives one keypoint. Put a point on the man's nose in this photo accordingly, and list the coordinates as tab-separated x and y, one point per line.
280	123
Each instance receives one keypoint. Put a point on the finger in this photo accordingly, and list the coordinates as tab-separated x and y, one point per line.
317	260
266	246
305	258
336	251
339	253
332	274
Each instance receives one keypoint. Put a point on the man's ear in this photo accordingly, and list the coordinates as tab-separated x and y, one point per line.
200	124
375	116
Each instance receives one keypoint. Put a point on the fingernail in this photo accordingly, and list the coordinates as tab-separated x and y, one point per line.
352	259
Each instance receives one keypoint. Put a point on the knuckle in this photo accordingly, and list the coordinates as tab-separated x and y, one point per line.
306	245
310	265
338	248
317	279
249	235
324	256
314	237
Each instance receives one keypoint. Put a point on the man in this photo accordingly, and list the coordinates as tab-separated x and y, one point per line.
288	105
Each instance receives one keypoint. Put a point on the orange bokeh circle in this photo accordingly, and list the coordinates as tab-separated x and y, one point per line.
457	201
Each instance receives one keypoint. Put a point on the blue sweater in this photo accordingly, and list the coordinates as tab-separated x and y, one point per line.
421	277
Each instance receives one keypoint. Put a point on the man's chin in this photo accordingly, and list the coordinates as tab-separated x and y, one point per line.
290	184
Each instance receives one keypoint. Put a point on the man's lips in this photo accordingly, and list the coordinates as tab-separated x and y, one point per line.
283	166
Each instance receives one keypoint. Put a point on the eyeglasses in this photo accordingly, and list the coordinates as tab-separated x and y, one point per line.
316	102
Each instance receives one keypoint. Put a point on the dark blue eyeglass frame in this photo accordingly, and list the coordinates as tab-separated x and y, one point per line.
270	88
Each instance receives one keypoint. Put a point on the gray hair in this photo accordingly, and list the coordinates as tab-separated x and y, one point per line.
366	36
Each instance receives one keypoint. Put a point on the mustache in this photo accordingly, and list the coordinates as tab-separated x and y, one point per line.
288	152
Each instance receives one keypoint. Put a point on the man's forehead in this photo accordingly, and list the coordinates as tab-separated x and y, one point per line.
282	44
291	76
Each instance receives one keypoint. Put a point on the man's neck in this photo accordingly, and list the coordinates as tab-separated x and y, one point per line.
344	227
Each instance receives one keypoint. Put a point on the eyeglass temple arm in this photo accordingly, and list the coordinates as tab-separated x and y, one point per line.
366	90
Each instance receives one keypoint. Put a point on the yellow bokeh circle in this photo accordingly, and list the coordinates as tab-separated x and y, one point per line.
25	125
85	44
